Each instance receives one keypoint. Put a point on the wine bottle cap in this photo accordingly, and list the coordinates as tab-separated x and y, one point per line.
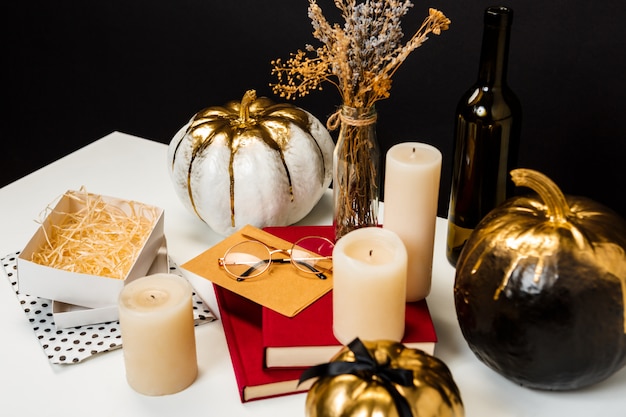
499	16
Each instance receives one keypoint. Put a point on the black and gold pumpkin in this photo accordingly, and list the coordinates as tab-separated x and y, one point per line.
540	288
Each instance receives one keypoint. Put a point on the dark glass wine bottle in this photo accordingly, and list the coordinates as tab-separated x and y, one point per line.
487	134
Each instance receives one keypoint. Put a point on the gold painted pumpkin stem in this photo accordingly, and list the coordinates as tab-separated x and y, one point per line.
244	110
557	208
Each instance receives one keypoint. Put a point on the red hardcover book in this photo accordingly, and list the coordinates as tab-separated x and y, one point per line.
241	319
307	339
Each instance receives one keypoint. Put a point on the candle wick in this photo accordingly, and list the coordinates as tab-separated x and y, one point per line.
414	149
371	251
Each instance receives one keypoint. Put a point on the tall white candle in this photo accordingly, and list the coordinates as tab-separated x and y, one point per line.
369	272
157	326
412	174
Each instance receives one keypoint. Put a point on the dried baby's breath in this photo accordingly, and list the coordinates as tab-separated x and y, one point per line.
360	57
98	239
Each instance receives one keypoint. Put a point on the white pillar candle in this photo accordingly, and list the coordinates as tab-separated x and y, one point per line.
158	338
412	174
369	272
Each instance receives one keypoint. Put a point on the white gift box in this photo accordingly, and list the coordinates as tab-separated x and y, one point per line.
70	315
82	289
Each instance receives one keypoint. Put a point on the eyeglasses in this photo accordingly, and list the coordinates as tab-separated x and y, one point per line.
251	258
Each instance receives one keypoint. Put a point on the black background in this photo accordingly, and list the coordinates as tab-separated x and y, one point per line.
75	71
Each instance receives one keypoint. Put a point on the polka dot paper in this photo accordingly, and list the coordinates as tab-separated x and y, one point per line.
75	344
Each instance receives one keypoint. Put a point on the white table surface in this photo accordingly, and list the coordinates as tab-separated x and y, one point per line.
128	167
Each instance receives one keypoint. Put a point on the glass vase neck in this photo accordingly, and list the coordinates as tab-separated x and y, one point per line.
358	116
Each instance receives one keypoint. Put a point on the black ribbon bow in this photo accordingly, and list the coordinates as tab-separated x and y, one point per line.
366	367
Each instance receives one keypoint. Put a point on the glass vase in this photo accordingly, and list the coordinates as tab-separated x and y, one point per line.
356	171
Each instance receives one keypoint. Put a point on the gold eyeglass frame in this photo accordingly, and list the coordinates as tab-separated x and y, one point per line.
299	263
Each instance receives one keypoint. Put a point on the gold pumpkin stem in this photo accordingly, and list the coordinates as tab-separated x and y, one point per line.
557	208
244	110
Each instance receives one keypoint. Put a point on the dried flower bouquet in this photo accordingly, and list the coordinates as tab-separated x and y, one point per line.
359	58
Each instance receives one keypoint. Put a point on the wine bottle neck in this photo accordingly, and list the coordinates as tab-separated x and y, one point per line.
495	46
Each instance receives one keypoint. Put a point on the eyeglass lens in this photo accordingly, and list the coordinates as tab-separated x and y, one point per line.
312	254
247	259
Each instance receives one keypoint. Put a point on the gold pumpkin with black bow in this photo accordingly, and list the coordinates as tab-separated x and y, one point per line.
251	161
382	378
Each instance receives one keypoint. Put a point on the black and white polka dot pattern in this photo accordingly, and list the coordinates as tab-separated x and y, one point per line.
75	344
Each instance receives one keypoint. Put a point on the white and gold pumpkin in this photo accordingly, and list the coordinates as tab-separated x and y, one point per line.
251	162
